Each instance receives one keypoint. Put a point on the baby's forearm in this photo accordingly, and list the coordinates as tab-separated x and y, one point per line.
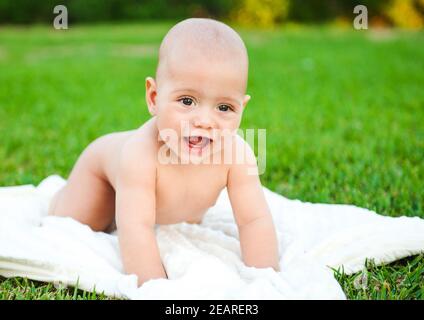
140	254
259	245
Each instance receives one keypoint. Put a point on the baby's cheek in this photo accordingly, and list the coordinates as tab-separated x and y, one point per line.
167	120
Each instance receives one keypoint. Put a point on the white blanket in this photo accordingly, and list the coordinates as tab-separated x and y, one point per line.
202	261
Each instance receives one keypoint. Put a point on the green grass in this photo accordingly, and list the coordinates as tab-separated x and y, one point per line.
24	289
343	109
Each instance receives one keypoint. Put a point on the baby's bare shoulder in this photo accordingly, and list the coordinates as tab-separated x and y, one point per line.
137	157
140	146
112	153
244	161
242	152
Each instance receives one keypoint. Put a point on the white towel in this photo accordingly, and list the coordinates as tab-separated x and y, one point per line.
202	261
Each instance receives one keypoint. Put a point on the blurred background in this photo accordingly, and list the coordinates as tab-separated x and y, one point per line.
262	13
343	108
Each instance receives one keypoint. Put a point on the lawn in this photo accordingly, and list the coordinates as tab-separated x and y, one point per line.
343	110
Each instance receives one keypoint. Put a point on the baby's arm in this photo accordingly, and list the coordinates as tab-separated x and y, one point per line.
136	213
258	239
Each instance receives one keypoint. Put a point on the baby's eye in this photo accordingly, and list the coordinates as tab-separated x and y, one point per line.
187	101
224	108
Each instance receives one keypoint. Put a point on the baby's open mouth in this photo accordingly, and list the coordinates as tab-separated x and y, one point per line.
197	141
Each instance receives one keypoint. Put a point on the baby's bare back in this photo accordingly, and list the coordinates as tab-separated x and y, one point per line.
181	191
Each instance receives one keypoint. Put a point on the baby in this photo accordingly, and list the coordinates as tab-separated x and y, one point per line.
173	167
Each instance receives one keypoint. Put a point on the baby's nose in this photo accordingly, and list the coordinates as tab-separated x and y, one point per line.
203	120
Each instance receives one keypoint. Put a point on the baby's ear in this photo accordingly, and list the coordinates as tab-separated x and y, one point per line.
246	100
151	94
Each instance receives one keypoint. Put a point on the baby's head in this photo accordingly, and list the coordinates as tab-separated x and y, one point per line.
200	86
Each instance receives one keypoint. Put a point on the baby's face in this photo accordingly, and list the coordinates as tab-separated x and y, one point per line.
198	101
